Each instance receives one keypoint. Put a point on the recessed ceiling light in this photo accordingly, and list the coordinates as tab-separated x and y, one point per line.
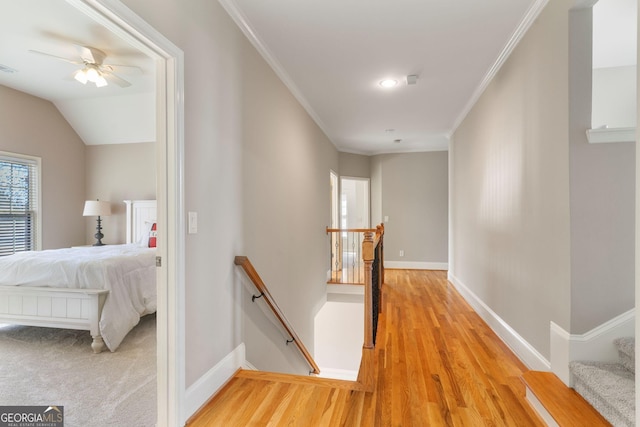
388	83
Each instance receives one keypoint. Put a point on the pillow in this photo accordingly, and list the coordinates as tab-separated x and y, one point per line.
146	234
152	236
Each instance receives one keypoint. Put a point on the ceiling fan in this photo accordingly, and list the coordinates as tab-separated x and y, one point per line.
93	69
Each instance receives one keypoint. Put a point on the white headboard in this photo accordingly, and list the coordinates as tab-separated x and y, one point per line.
139	213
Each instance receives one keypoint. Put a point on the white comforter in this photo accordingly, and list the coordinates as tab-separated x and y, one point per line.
127	271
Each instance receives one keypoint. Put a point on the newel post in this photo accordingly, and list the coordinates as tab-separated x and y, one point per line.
368	256
380	249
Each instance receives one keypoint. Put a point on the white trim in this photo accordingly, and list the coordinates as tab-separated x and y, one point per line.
518	34
117	18
416	265
540	409
600	136
525	351
338	374
37	162
559	352
584	4
201	391
337	288
248	366
599	331
243	23
595	345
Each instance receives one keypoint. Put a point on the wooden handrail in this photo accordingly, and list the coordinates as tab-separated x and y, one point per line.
350	230
244	262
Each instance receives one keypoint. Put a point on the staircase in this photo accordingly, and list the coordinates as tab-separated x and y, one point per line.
609	387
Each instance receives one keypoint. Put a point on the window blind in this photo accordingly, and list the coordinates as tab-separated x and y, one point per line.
18	204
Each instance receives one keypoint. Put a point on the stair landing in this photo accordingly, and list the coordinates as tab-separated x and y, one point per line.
564	406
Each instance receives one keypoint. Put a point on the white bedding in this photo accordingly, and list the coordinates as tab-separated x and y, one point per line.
128	272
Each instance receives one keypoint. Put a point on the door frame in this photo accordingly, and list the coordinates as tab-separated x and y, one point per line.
368	181
116	17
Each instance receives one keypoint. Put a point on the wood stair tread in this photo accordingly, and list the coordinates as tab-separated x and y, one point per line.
299	379
564	404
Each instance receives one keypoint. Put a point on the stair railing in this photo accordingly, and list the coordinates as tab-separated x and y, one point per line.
347	262
251	272
373	257
357	257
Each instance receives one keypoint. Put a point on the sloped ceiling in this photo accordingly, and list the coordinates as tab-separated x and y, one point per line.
107	115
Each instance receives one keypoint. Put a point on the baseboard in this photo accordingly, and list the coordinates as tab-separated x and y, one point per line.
206	386
540	409
338	374
416	265
525	351
248	366
595	345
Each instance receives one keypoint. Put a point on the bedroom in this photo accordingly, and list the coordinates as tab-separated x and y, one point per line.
114	162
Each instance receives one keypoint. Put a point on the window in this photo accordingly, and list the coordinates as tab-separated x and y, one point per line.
19	196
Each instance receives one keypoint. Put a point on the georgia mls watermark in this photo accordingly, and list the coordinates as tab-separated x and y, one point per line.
31	416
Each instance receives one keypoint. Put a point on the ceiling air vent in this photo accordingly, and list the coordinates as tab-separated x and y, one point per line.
6	69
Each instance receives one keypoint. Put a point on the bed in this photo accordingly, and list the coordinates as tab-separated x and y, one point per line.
104	290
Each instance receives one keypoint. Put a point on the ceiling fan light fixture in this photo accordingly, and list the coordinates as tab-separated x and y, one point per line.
92	74
100	81
81	76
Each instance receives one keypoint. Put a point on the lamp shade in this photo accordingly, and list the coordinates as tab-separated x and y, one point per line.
96	208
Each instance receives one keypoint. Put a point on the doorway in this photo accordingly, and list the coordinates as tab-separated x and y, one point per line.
120	20
354	202
354	219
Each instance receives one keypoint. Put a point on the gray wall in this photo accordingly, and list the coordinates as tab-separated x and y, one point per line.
44	133
602	203
118	172
286	163
256	171
354	165
411	189
414	195
509	186
212	47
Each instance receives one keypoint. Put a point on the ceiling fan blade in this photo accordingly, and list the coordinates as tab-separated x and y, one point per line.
110	76
91	54
71	61
124	69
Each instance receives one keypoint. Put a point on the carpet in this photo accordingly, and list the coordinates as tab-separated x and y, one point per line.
46	366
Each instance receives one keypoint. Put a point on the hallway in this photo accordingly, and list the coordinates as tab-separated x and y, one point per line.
438	364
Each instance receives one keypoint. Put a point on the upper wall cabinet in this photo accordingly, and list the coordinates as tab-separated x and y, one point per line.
613	114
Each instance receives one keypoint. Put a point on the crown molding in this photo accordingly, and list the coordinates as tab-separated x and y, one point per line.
243	23
528	19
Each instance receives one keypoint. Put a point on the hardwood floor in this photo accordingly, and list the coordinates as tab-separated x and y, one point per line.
438	364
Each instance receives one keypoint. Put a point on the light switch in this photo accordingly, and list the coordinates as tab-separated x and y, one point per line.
193	222
386	218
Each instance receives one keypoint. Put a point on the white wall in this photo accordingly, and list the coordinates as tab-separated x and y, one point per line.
614	97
